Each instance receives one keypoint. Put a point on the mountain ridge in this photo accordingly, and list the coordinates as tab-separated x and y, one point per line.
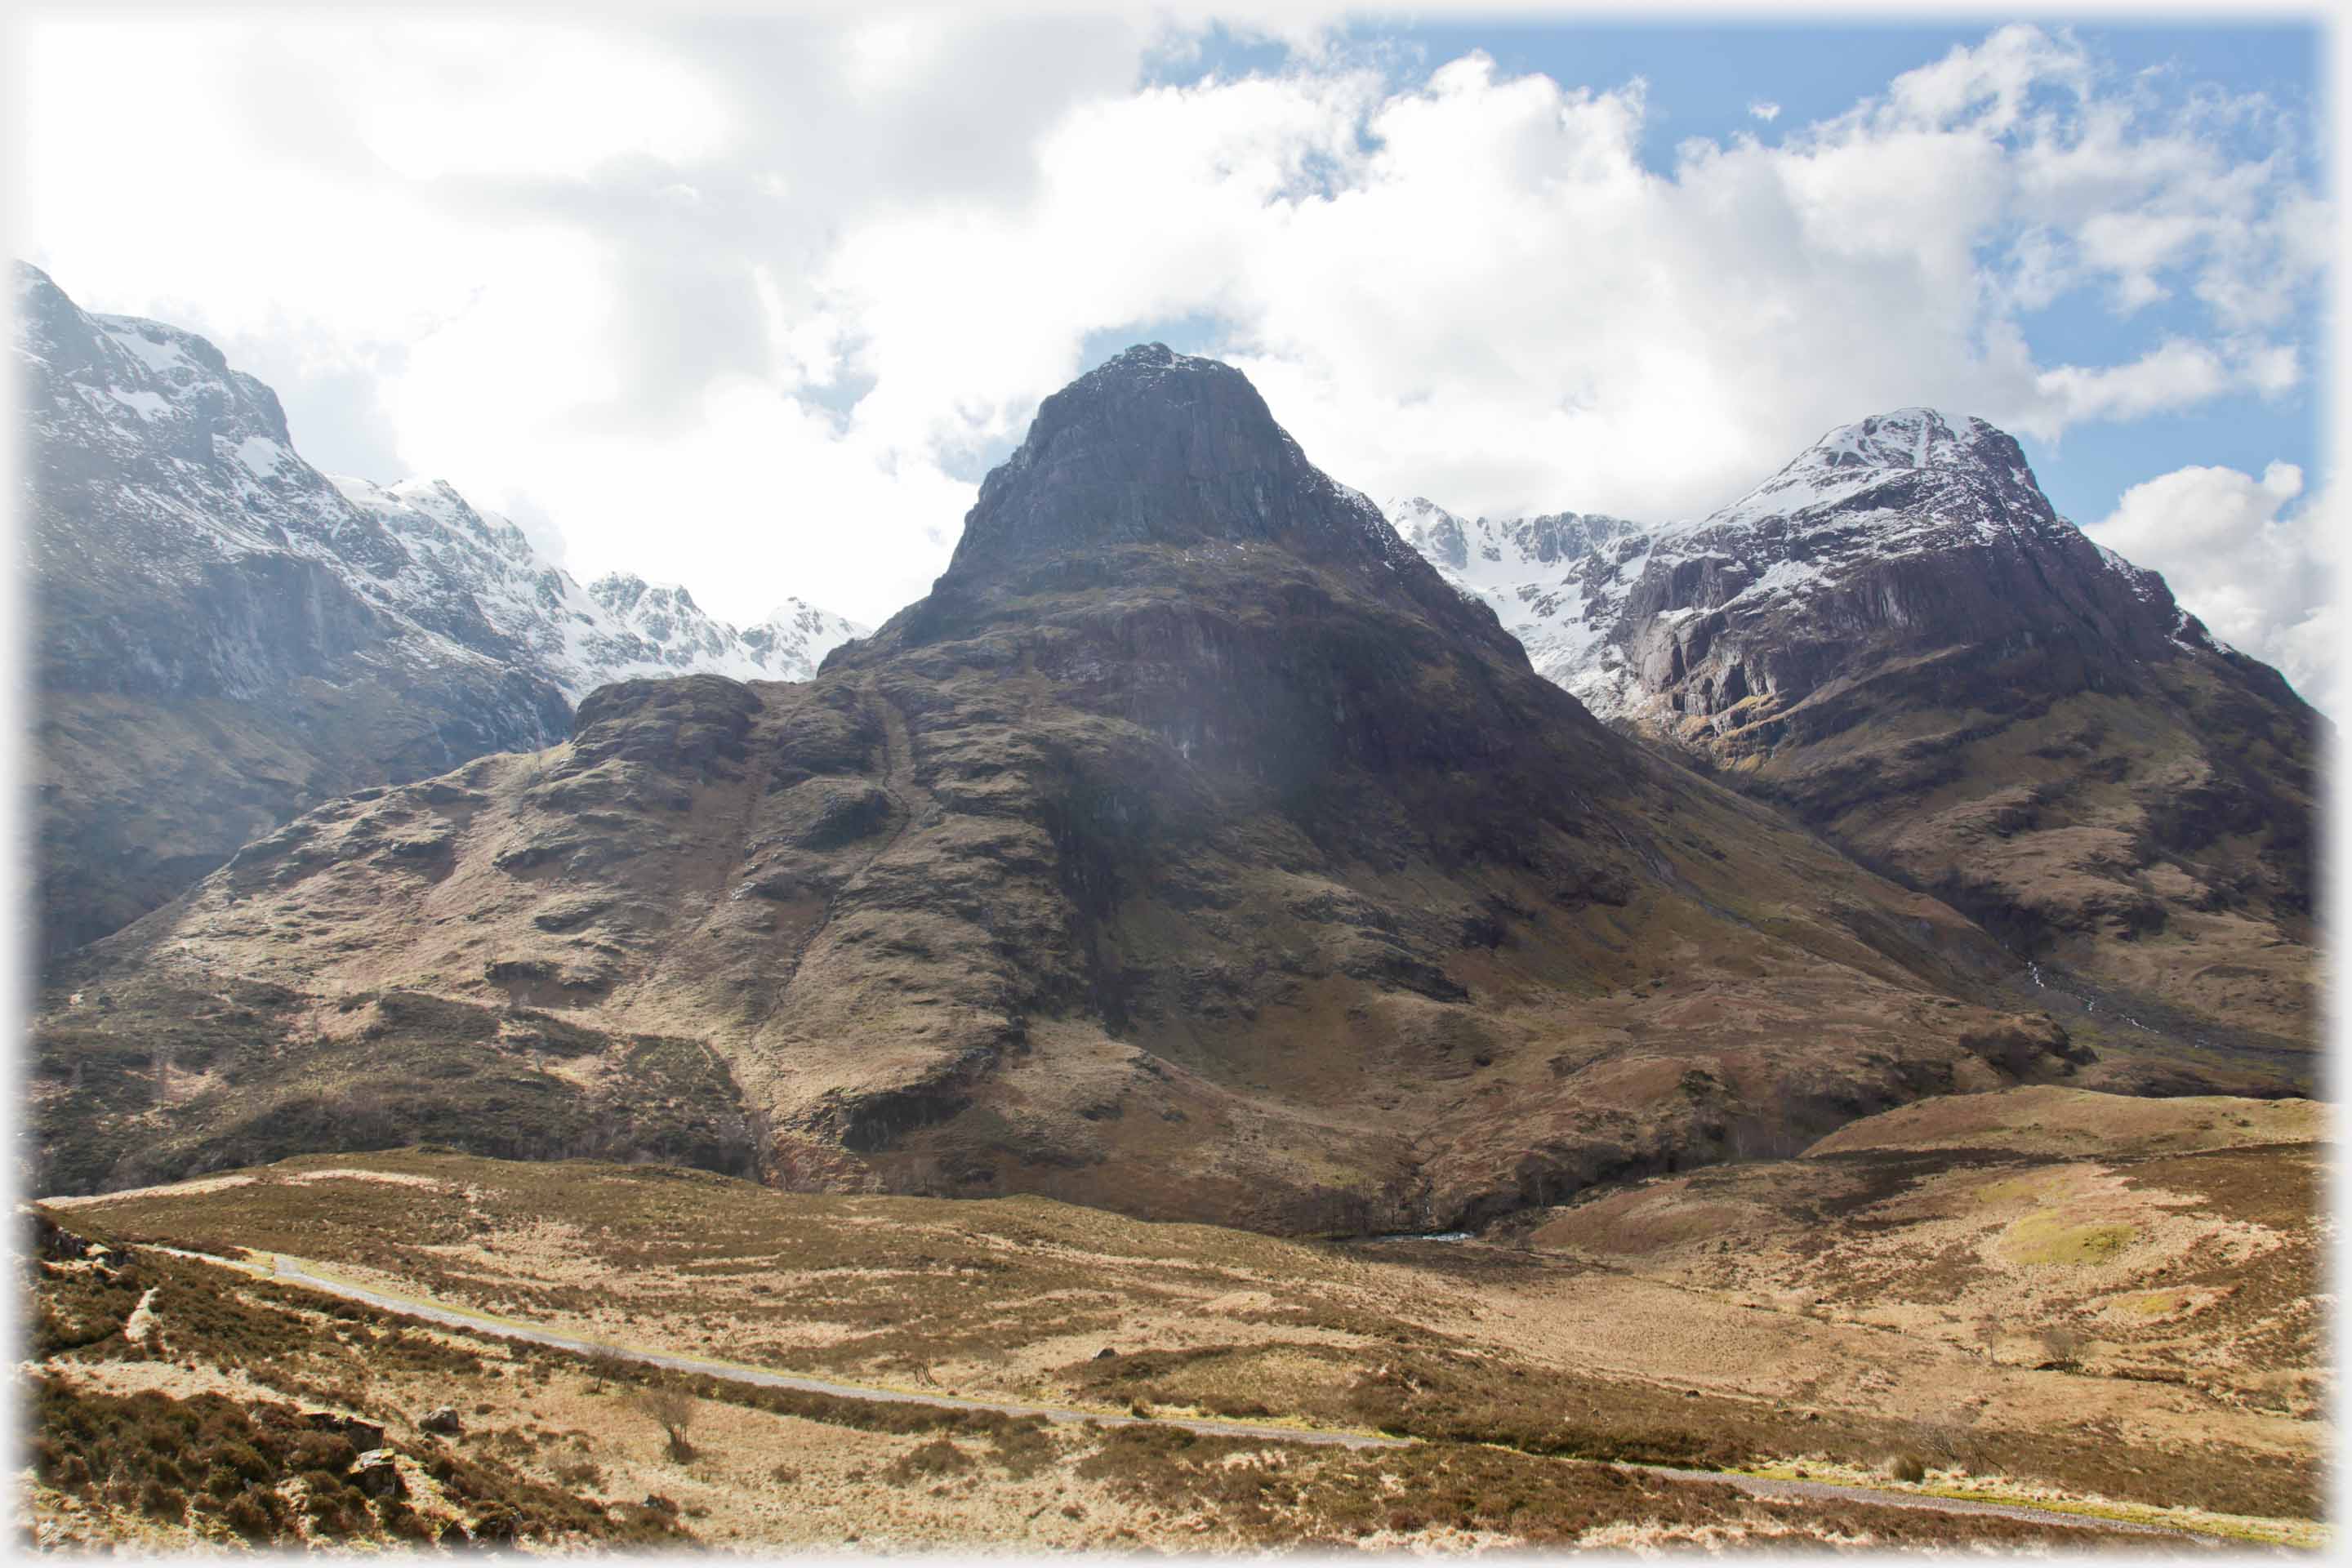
224	634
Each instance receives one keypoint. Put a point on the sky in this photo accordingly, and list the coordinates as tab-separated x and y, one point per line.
751	303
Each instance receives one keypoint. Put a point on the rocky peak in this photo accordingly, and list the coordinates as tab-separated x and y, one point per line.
184	553
1907	438
622	592
49	323
1157	448
1898	636
1564	536
144	387
1903	465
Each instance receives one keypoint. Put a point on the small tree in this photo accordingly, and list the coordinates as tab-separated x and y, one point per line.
673	1411
2062	1344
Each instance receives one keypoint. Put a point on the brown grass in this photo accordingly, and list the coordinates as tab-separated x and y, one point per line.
1015	1297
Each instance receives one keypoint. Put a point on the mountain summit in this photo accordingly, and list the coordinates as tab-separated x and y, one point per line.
1913	438
1192	849
1914	474
1166	448
1155	451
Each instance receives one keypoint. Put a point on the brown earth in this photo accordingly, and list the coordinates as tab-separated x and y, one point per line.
2174	1243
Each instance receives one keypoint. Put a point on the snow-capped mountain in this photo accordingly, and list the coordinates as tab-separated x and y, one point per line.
666	632
1899	638
1186	746
224	634
1617	611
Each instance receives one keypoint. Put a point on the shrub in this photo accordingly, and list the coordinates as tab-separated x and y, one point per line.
937	1457
672	1410
404	1522
248	1516
581	1473
328	1451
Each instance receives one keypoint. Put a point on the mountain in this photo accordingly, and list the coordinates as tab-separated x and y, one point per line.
1897	637
224	636
1190	849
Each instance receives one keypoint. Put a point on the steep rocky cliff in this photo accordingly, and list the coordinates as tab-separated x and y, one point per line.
1193	849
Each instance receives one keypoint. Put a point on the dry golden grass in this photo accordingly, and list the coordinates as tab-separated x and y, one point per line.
558	1451
1848	1318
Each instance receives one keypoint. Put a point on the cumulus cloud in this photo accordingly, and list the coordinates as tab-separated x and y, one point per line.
1765	109
2254	559
752	302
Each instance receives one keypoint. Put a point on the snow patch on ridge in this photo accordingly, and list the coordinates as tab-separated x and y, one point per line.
261	455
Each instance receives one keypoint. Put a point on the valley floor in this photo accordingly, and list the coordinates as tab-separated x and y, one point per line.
2148	1268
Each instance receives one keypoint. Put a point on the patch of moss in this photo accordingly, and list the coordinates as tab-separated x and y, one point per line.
2051	1239
2014	1189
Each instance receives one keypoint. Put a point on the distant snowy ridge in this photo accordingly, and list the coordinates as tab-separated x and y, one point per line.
617	628
1554	581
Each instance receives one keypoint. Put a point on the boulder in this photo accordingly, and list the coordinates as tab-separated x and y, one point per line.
376	1475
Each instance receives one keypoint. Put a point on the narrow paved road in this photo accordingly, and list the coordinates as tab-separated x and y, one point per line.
291	1270
294	1271
1831	1492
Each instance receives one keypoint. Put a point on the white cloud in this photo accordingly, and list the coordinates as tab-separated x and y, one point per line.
2242	556
741	303
1765	109
1986	88
2173	375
